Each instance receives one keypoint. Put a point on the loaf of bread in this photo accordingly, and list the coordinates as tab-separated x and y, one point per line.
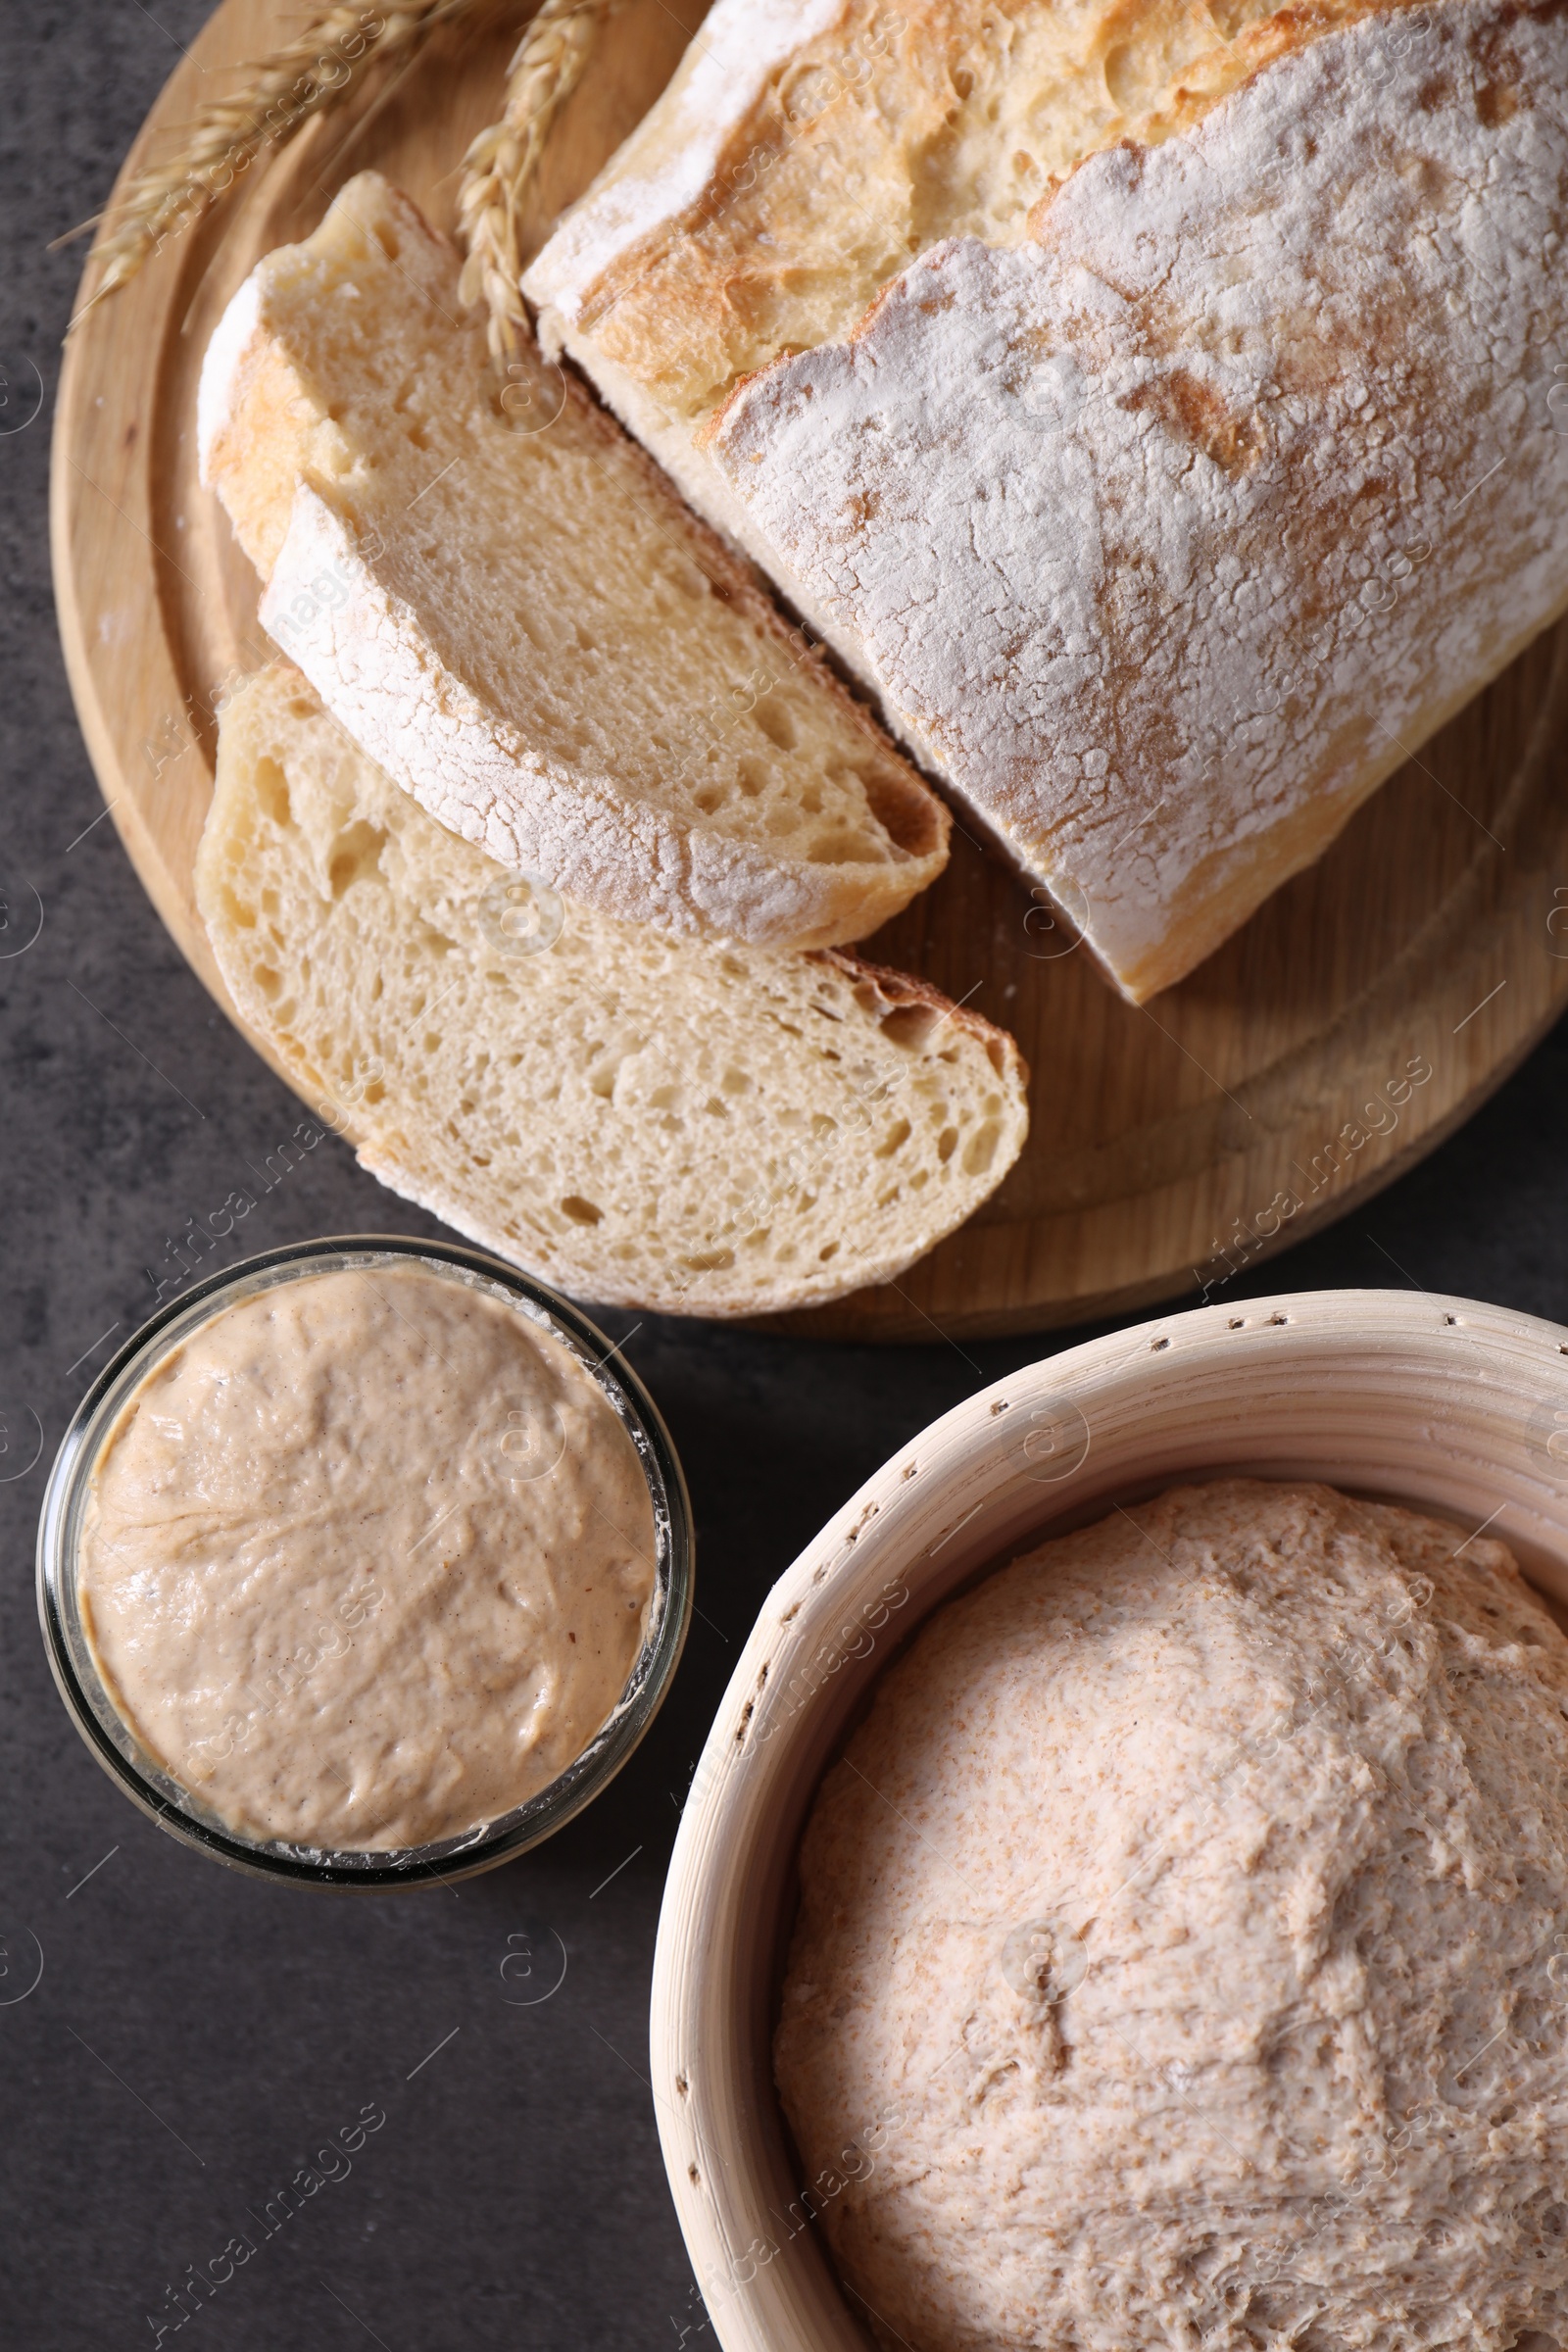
511	611
659	1122
1150	402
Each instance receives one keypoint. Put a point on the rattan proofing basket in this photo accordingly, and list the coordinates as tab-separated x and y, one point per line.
1438	1402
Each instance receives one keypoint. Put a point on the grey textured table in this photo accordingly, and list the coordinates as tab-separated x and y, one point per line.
194	2038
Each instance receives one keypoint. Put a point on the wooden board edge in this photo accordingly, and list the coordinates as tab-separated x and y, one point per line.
151	297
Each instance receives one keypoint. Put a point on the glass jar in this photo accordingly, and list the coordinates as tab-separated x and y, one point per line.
174	1806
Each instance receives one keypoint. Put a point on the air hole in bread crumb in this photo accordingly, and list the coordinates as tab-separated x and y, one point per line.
981	1148
579	1211
1155	1345
267	980
844	847
910	1026
946	1144
710	1261
830	1249
355	853
777	723
387	240
271	790
897	1136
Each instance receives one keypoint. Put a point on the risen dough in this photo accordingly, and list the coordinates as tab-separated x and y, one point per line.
369	1559
1179	1947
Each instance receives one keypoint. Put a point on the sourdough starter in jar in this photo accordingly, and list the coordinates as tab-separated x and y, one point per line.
369	1560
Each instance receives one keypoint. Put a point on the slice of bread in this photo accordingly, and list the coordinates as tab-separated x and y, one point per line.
701	1129
1170	493
512	612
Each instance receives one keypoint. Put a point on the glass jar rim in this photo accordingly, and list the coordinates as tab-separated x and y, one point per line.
160	1794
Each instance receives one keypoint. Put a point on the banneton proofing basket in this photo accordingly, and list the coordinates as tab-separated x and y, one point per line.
1438	1402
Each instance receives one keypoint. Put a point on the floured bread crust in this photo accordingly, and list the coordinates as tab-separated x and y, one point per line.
808	150
1168	536
1179	1942
1167	513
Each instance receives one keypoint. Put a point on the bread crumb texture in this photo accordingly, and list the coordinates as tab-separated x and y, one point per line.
1239	472
1180	1941
507	605
643	1120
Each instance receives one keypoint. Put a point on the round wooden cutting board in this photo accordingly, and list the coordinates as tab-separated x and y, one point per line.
1360	1016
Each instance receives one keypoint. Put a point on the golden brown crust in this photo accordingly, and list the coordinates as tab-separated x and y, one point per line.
1240	476
766	261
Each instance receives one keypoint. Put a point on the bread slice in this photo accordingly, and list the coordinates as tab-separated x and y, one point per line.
1171	513
711	1130
511	610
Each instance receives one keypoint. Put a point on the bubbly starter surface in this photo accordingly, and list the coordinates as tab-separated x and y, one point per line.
367	1560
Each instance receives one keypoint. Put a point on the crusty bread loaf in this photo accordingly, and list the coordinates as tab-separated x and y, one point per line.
507	607
808	150
706	1129
1169	516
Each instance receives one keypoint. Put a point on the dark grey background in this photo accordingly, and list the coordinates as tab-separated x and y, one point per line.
194	2036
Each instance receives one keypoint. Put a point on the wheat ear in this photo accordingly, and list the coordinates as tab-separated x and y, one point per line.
311	76
503	160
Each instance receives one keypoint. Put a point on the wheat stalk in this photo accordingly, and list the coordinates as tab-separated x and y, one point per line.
308	76
502	161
